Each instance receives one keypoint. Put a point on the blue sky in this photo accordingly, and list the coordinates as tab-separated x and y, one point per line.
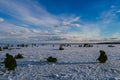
59	20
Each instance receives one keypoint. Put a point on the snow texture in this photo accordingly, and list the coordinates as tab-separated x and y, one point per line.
74	63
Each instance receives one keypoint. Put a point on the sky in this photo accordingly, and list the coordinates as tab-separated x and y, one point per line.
59	20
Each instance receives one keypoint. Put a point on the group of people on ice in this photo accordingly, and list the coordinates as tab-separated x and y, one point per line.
10	62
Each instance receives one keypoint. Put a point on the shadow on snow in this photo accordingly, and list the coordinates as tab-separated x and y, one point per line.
26	63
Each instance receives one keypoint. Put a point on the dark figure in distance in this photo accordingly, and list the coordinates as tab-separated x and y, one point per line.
103	57
10	62
51	59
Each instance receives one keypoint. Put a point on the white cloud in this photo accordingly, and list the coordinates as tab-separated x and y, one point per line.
34	15
1	20
40	17
91	32
73	19
113	6
36	31
57	31
116	35
118	11
14	31
75	25
108	16
70	22
26	31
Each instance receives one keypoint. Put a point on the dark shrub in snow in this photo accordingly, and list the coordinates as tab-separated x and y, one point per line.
10	62
19	56
61	48
103	57
51	59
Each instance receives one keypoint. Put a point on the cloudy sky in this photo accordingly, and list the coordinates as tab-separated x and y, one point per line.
59	20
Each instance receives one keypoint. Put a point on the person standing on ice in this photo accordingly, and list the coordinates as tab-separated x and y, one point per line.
10	62
103	57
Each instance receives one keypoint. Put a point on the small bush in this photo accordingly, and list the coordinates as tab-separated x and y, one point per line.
19	56
51	59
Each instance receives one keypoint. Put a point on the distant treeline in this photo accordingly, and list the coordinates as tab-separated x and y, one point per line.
108	43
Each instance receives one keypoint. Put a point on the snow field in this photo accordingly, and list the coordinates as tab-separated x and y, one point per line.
74	63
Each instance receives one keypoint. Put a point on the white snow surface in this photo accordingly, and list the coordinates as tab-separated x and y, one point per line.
74	63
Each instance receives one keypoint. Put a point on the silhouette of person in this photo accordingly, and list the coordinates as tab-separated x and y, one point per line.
10	62
103	57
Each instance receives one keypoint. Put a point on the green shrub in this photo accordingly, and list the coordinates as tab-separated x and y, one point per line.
19	56
51	59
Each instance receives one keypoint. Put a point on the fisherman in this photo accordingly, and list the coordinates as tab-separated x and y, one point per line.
10	62
103	57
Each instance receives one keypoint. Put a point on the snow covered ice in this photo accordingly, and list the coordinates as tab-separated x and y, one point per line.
74	63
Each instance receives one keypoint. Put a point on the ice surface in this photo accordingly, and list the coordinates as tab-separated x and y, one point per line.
74	63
